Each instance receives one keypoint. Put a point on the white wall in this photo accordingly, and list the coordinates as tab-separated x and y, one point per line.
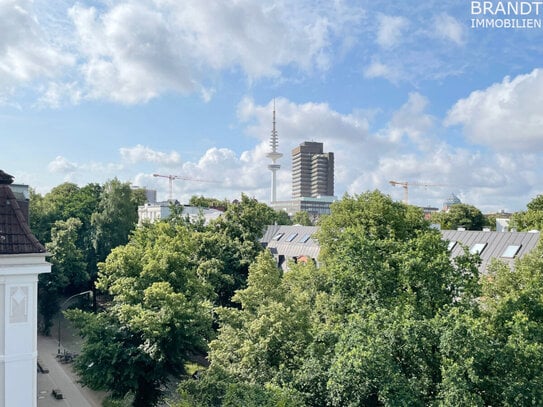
18	327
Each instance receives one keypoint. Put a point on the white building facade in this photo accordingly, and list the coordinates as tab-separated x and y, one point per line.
22	259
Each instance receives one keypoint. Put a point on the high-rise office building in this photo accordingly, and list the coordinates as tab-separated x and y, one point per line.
312	171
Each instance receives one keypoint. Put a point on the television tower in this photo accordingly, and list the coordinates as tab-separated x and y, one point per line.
274	155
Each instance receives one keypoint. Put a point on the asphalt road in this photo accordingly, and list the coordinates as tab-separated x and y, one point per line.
61	376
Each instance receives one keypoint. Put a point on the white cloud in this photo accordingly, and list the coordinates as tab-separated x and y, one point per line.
61	165
390	30
364	159
135	51
131	55
347	135
25	53
58	94
449	28
141	153
378	69
505	116
412	121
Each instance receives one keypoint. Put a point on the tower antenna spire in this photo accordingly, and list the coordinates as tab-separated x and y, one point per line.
274	155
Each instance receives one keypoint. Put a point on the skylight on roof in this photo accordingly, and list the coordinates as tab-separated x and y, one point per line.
278	236
291	237
511	251
304	238
451	245
477	248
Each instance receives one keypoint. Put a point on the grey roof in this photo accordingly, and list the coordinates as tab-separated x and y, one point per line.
15	235
495	243
290	241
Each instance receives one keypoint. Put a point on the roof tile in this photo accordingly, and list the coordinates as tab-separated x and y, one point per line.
15	234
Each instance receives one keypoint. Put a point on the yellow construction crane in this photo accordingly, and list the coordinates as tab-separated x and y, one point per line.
172	177
405	185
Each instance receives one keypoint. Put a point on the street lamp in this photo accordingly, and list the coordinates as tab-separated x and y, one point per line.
60	310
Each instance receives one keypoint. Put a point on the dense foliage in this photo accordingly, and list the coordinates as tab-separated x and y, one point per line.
79	226
302	218
531	218
159	315
460	215
163	284
387	319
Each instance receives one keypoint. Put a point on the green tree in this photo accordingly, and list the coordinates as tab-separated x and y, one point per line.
391	278
282	218
364	328
536	204
63	217
514	310
115	218
302	218
247	219
245	222
61	203
527	220
262	342
221	264
530	219
69	269
40	217
460	215
467	347
385	357
203	202
158	317
493	354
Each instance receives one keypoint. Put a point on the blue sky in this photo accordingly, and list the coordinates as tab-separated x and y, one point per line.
404	91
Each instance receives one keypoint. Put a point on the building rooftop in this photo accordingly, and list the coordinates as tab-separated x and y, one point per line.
15	234
290	242
504	246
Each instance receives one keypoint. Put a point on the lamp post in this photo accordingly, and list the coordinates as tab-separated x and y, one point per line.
60	310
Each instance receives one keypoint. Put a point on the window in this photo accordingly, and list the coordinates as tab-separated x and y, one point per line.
291	237
278	236
304	238
511	251
451	245
477	248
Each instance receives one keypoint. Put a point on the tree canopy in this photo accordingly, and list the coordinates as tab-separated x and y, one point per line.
302	218
460	215
385	318
530	219
115	217
363	328
163	284
68	220
159	315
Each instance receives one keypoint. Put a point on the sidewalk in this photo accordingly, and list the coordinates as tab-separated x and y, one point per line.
61	375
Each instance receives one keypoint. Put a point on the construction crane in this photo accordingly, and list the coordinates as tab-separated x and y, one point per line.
172	177
405	185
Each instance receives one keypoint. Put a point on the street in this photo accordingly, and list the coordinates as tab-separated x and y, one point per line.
61	376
